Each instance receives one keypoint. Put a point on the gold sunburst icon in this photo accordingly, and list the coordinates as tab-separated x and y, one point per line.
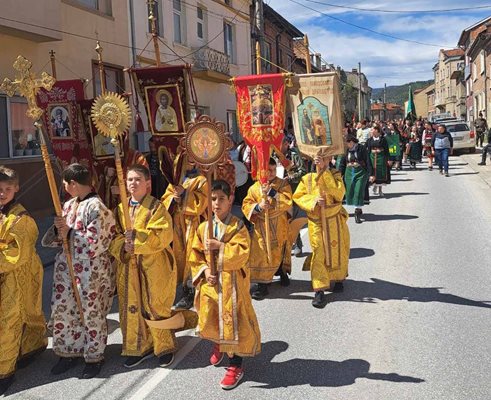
111	114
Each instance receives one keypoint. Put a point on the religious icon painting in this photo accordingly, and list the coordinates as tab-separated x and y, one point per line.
261	100
314	122
165	110
206	143
60	121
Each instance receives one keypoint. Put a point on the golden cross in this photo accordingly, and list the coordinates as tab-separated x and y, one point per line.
27	85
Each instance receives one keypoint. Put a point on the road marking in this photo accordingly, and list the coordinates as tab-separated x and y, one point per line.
162	373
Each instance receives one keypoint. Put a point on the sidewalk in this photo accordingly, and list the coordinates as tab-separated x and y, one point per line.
483	170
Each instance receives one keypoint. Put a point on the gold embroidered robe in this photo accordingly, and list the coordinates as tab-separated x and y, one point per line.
225	311
334	267
156	266
261	270
186	217
22	323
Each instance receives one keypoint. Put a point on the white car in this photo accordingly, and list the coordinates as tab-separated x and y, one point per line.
463	137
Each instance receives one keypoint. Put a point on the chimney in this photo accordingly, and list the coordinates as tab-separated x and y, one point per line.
318	61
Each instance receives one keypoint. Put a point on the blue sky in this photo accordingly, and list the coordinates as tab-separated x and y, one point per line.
383	59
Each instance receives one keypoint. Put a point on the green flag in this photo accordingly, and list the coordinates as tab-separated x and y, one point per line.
410	108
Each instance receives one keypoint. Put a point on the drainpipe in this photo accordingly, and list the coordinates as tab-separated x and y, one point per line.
132	31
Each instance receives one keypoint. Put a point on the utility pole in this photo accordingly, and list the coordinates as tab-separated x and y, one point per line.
385	101
359	92
259	29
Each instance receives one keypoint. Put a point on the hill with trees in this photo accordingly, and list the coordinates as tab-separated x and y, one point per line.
398	94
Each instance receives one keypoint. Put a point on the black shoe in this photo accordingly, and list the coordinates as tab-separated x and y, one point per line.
133	361
91	370
261	292
166	360
284	279
187	300
482	163
320	299
338	287
63	365
5	383
358	213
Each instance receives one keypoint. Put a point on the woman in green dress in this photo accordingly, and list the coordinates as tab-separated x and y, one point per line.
378	151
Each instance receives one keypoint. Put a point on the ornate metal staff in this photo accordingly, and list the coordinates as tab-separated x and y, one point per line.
28	85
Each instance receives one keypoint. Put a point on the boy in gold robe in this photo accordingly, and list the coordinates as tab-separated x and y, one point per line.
187	204
144	250
224	305
330	248
22	323
278	202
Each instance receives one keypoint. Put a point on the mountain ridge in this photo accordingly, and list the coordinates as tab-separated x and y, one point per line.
398	93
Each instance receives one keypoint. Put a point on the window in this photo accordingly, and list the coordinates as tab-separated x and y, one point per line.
228	2
201	23
482	62
474	71
177	13
280	57
18	137
157	14
202	110
228	45
104	6
289	62
114	79
267	56
232	126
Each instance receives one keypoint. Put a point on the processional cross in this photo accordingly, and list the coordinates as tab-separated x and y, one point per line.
27	85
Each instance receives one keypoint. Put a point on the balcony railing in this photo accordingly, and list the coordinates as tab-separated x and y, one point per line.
207	59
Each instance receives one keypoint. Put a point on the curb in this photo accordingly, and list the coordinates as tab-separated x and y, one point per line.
484	172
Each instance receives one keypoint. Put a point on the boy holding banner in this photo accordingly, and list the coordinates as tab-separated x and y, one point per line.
278	202
330	240
223	302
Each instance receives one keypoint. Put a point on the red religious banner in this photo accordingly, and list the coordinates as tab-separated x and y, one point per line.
164	91
63	122
261	117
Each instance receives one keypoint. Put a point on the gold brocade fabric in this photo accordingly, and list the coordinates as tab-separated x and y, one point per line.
261	270
186	218
154	262
225	311
22	323
334	267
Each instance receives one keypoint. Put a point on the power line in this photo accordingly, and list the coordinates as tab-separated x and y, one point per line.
444	10
367	29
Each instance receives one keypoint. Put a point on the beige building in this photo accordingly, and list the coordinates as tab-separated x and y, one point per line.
421	102
446	97
69	27
212	35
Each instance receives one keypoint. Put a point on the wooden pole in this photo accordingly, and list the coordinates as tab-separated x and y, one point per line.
210	221
153	24
323	220
58	210
98	49
308	63
265	196
53	63
133	271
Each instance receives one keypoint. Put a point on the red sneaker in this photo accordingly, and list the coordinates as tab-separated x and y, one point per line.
232	377
216	357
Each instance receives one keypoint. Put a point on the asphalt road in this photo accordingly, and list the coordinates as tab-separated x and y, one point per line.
414	321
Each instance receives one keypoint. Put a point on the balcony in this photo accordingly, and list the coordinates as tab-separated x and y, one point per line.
439	101
211	65
451	99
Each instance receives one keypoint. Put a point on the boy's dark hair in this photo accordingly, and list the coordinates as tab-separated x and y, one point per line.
8	175
221	185
272	162
141	169
77	173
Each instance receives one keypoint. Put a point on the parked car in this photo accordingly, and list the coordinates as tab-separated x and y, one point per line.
463	137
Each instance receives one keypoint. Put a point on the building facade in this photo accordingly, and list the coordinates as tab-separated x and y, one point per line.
446	96
386	112
69	28
476	43
353	83
421	102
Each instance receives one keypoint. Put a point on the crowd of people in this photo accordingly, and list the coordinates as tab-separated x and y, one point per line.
166	247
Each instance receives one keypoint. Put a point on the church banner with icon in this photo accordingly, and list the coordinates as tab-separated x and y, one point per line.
63	122
261	117
315	102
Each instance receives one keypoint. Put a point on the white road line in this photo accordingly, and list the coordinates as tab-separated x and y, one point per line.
162	373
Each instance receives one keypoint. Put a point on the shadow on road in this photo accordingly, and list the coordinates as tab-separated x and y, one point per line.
401	180
464	173
380	217
378	289
395	195
317	373
360	252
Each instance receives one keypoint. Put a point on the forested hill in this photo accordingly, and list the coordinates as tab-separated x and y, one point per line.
398	94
